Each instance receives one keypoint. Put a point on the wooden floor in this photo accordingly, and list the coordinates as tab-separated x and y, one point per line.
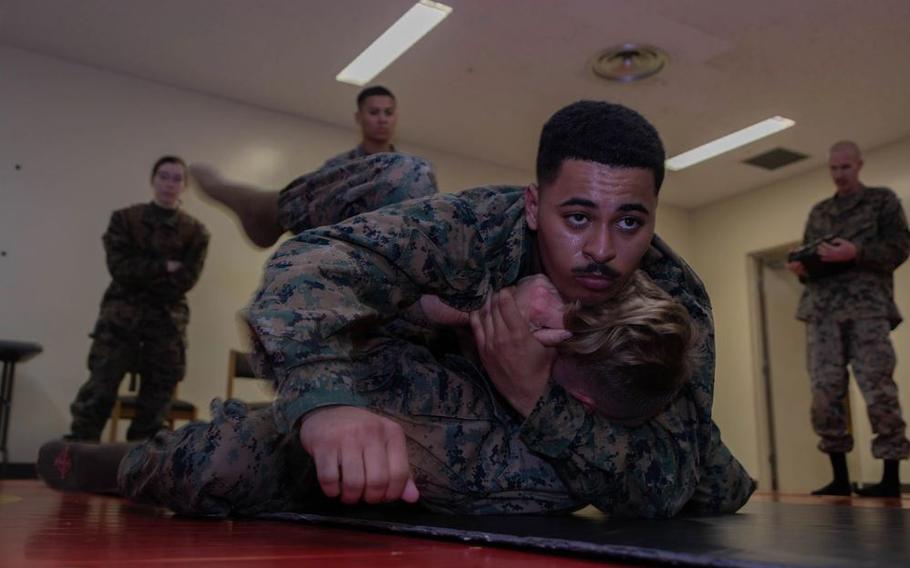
41	527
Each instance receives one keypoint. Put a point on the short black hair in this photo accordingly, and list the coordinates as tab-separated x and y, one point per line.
602	132
168	160
374	91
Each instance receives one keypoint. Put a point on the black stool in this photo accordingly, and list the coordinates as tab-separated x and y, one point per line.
11	352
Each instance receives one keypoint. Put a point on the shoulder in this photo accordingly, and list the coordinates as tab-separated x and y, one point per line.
823	204
132	212
490	199
881	194
345	156
191	223
669	271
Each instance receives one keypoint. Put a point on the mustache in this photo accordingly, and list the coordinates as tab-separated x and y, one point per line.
598	269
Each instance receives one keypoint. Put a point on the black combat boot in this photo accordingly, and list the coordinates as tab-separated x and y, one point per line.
81	466
890	485
841	483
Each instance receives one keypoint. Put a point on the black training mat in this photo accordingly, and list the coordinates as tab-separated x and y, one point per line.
762	534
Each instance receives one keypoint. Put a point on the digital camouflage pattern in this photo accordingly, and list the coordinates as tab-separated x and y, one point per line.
874	220
142	324
865	345
850	315
344	188
349	156
325	329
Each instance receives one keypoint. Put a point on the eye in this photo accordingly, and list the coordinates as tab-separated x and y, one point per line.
629	223
576	220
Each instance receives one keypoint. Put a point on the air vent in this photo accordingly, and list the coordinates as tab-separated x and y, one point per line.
776	158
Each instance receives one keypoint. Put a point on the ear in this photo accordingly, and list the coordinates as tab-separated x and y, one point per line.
357	118
532	205
584	399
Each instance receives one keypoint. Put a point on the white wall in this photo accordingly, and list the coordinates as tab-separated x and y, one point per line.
673	226
84	140
724	234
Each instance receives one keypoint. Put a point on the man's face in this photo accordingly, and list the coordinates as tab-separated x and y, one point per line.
377	117
168	184
844	165
593	223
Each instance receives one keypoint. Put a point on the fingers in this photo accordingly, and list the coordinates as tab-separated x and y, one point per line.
399	474
377	475
411	494
327	472
506	314
352	474
551	337
479	325
358	455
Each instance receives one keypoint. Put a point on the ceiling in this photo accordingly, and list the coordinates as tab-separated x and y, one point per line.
484	81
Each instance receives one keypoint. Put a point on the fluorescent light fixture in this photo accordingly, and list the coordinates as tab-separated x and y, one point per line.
413	25
729	142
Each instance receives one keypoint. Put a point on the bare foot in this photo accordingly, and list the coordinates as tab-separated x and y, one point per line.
257	209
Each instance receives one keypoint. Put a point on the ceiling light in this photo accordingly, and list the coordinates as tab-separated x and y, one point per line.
629	62
729	142
413	25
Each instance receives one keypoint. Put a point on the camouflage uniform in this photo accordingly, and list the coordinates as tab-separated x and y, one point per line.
849	316
326	331
349	156
142	324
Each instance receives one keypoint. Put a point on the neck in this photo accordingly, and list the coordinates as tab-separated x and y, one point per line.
375	147
851	190
172	207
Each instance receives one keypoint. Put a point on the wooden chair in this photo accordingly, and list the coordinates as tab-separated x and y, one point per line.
240	367
125	409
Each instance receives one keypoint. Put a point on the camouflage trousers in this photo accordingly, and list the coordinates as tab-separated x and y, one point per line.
463	445
331	195
151	347
864	345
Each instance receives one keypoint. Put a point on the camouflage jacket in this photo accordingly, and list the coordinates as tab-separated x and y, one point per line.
138	243
874	221
322	282
352	154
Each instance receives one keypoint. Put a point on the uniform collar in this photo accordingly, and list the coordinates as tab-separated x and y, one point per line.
158	215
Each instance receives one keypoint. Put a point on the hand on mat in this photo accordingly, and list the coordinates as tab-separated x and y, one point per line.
518	364
359	456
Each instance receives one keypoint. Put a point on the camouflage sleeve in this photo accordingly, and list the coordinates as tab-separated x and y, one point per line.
321	283
186	277
655	470
126	262
723	485
814	229
892	243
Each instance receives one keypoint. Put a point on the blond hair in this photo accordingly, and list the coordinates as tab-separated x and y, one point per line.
634	351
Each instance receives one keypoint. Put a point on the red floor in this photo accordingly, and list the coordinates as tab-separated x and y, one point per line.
41	527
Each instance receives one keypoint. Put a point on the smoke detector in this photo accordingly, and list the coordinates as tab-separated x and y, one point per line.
629	62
